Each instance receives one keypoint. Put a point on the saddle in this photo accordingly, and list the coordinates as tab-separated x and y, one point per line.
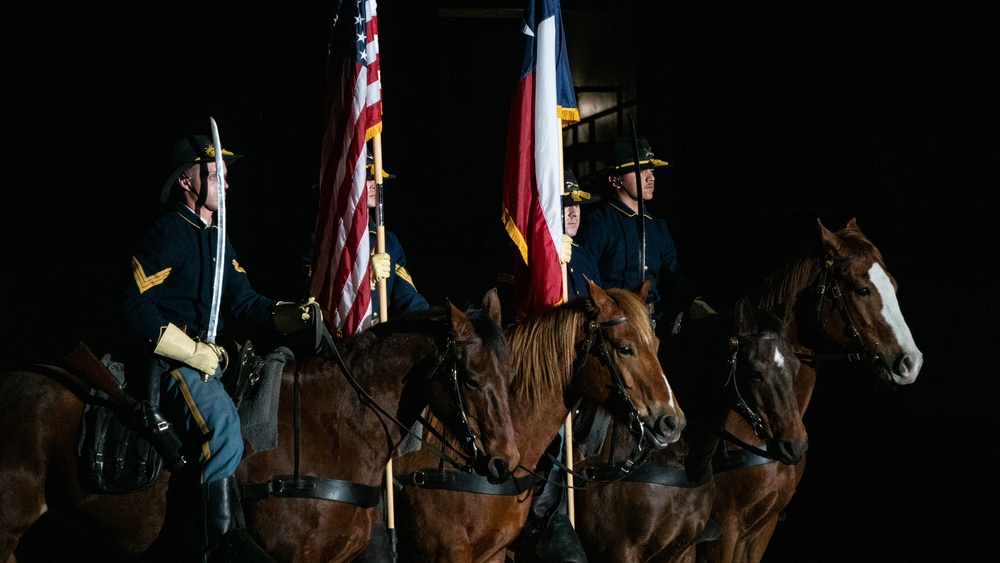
115	459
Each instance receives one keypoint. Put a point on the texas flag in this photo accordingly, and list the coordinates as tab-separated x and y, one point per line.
542	104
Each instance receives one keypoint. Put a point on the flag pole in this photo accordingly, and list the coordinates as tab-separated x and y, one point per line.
568	425
383	314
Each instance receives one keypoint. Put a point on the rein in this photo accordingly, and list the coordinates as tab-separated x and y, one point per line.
741	406
867	352
365	496
618	401
512	486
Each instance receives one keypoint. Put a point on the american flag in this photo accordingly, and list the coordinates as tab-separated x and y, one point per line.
543	102
353	116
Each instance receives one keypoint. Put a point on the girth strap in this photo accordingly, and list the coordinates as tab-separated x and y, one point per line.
465	482
726	460
649	473
288	486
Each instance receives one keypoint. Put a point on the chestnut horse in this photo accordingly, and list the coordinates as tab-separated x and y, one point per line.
739	361
601	347
839	302
345	433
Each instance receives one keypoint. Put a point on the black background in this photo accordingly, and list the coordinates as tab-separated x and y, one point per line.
773	114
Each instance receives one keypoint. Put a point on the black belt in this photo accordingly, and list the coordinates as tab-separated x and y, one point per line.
466	482
313	487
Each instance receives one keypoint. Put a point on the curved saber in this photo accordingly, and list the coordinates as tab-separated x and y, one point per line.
641	220
220	243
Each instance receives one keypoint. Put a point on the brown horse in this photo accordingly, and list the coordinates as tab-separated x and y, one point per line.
346	434
585	348
840	304
739	361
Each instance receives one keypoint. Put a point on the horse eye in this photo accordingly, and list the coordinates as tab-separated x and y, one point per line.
756	375
471	383
863	291
626	350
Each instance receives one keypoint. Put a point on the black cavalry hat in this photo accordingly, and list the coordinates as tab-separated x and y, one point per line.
572	194
191	150
370	168
623	155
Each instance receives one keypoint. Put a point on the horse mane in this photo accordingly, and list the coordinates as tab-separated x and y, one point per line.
782	286
636	311
436	321
543	347
494	340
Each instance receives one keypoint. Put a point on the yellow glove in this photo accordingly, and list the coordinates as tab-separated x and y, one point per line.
289	317
202	356
699	309
567	249
380	267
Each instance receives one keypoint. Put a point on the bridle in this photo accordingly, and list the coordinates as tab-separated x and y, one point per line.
469	438
824	283
741	406
618	403
305	486
447	354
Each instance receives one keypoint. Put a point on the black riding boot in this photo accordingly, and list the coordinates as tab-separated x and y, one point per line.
225	535
548	535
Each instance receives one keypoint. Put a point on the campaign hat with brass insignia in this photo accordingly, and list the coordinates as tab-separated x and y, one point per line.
370	168
623	155
572	194
191	150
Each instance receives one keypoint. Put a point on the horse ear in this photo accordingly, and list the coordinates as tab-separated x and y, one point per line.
643	290
744	314
457	317
598	295
491	302
852	226
831	242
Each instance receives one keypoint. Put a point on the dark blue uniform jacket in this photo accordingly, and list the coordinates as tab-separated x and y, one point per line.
580	264
403	295
610	235
172	279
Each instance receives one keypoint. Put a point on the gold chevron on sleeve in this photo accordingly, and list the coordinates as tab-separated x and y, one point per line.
402	273
236	266
144	282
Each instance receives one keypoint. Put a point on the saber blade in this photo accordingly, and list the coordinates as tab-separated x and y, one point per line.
220	243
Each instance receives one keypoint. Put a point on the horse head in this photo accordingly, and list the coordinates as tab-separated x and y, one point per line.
621	370
761	379
856	307
471	398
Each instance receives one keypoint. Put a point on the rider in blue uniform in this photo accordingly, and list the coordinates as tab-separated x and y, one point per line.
610	233
580	264
168	305
391	264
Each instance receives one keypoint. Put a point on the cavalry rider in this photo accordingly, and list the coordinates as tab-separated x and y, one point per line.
611	236
168	305
391	264
579	263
